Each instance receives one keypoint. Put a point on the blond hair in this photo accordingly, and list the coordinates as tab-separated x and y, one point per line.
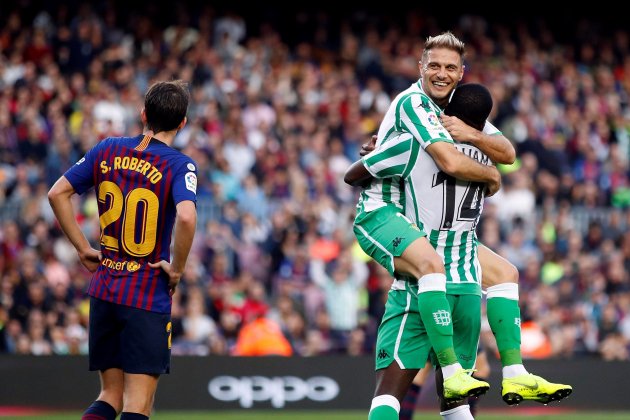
445	40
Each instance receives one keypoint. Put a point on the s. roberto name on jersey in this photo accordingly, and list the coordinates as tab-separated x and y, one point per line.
133	164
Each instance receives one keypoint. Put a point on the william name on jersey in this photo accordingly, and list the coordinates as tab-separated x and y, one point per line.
473	153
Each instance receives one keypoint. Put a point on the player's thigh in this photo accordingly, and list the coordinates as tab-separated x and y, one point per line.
495	268
402	337
384	234
466	317
418	259
145	341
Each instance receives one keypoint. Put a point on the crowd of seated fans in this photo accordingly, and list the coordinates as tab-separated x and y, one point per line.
275	119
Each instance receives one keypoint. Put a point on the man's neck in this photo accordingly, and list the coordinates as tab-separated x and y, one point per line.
166	137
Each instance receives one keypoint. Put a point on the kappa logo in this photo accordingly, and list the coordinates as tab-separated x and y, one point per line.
442	317
397	241
465	357
425	105
517	322
382	354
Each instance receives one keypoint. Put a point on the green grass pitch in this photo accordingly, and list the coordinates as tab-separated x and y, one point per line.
335	415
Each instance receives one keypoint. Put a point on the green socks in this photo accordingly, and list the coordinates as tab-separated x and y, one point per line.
504	316
435	312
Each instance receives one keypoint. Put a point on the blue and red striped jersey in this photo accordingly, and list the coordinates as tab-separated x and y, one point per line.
138	181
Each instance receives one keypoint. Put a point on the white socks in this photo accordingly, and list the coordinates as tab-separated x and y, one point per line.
450	370
458	413
389	400
513	370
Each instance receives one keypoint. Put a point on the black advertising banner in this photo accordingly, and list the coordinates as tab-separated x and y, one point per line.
227	383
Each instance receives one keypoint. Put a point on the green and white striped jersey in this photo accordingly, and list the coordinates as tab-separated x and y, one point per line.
446	208
412	111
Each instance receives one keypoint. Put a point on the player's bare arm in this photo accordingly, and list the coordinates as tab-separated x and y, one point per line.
456	164
448	159
184	233
60	198
357	175
497	147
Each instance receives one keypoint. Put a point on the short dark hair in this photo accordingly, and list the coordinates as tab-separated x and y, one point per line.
471	103
166	104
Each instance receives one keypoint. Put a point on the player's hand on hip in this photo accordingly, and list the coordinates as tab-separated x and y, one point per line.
173	276
91	259
368	147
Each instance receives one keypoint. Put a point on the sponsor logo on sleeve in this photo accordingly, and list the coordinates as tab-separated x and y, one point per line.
190	166
191	182
433	120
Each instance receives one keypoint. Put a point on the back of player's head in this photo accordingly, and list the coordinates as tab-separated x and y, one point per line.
165	105
471	103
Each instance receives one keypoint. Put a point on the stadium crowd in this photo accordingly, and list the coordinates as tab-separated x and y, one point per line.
281	104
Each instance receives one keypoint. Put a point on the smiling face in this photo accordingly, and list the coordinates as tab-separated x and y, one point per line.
441	69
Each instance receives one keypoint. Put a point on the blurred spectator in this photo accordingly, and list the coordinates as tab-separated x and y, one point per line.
261	336
343	288
534	341
275	118
198	328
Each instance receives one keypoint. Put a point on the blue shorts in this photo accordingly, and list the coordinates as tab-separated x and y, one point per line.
131	339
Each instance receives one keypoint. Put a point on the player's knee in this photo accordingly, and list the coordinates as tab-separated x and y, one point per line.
503	273
510	273
430	265
406	265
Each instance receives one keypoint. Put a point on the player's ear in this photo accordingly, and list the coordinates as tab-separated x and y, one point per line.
182	124
143	116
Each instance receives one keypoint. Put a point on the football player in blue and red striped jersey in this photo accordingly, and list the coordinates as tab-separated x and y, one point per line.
146	192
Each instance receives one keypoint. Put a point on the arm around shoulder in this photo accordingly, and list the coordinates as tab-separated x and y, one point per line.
455	163
498	148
